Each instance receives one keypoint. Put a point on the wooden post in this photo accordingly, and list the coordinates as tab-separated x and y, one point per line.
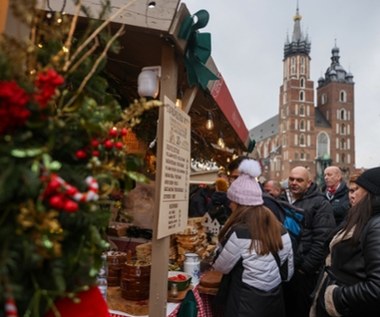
4	7
160	247
9	24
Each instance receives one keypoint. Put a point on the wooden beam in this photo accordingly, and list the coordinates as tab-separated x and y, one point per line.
160	247
4	7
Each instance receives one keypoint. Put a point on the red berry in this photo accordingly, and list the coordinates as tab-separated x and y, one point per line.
80	154
71	190
108	144
57	201
119	145
70	206
95	153
53	185
95	142
124	132
113	132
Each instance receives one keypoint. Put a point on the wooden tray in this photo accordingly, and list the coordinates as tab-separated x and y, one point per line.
207	290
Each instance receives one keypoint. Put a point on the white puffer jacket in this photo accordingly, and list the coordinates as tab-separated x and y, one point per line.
259	271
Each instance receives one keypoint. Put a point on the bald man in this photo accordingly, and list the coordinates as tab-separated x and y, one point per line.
309	257
336	192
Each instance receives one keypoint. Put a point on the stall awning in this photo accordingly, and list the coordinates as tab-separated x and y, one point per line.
146	31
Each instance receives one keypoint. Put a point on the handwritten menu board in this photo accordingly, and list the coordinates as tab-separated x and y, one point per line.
175	134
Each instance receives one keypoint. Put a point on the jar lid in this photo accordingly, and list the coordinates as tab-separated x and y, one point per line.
192	256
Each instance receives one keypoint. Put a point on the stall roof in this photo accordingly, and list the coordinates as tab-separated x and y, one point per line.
146	30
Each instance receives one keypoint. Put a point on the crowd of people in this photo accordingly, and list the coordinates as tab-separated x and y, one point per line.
333	269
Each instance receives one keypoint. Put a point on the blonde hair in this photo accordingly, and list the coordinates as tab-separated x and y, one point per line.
221	185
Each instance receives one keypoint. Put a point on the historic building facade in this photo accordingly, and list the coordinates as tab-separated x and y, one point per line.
303	133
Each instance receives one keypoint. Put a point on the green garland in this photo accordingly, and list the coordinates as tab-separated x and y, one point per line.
61	155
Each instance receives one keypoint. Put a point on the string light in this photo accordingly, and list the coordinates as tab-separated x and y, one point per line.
209	122
151	4
61	12
221	142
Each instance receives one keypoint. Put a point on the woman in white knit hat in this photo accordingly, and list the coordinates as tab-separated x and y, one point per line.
253	247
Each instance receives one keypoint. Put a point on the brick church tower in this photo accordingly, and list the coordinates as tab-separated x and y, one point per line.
302	133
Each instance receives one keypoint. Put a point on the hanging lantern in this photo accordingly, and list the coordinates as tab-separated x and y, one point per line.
148	82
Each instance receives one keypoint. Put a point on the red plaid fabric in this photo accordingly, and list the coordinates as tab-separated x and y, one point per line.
201	310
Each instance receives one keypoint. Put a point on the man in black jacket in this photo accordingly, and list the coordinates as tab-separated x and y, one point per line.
318	224
336	192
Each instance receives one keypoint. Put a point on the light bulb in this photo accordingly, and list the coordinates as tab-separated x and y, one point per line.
221	143
209	122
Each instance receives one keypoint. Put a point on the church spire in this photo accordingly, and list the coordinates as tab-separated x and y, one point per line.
299	43
297	34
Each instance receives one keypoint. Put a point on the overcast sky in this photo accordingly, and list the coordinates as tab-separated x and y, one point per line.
248	39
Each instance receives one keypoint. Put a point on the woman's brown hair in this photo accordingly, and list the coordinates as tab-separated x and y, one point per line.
263	226
358	216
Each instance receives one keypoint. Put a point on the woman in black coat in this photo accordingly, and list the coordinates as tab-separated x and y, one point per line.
350	285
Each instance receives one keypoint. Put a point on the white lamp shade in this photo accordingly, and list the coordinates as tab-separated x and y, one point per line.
148	83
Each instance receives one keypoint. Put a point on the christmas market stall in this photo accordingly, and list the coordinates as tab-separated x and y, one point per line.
107	108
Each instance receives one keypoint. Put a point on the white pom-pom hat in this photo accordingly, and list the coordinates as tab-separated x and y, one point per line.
245	190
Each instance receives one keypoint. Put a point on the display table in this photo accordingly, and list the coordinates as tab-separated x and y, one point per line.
204	308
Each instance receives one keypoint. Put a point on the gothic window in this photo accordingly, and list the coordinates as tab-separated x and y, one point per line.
323	144
293	66
302	125
302	62
284	140
302	81
342	114
302	110
302	156
302	140
302	95
342	96
343	158
266	150
342	144
343	129
323	99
